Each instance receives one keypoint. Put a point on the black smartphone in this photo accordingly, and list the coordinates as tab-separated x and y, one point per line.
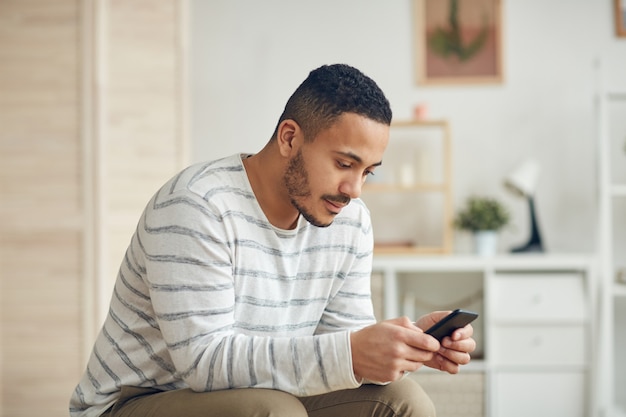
447	325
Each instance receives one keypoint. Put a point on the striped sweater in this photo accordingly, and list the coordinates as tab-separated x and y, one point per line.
211	296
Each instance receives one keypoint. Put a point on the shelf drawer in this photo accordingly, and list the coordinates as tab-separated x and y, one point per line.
544	297
539	394
539	345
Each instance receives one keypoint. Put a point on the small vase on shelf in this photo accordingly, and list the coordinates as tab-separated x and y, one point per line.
484	217
485	242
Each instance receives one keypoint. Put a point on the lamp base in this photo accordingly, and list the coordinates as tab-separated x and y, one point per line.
528	247
534	242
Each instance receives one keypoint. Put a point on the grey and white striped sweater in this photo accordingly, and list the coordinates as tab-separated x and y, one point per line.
211	296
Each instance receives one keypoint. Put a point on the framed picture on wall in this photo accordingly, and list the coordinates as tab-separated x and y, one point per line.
620	17
458	41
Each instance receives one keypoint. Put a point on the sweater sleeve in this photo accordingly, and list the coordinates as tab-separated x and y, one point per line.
189	272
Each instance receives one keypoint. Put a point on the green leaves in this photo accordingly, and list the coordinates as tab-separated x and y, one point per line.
482	213
447	42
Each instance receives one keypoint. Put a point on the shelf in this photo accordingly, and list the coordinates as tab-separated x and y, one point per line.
398	260
522	368
421	123
410	198
373	187
612	190
540	322
407	249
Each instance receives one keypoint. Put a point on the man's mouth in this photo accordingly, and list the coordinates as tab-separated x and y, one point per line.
336	204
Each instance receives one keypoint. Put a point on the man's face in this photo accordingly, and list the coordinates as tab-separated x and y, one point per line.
326	173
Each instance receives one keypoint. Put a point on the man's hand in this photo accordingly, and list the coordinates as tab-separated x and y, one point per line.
454	350
384	351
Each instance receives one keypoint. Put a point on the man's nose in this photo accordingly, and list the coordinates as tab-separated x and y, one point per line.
352	186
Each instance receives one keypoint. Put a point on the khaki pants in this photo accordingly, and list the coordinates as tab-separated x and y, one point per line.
401	398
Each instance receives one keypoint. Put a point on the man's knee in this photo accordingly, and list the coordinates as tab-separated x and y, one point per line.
404	398
257	403
269	403
411	399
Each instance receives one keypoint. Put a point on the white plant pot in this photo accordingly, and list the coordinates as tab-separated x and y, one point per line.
486	242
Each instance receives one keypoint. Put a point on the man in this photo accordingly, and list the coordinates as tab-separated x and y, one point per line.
245	290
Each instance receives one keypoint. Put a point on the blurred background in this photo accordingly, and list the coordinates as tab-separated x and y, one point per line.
101	101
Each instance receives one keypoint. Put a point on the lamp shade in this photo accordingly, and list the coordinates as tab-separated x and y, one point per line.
523	180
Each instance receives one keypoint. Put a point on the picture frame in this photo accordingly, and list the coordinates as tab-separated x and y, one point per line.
458	41
620	17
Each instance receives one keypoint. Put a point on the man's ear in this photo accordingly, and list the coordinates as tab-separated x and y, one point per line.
289	137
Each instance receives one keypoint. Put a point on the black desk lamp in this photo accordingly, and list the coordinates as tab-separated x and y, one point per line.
523	182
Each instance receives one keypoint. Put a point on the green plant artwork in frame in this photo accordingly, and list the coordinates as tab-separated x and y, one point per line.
459	41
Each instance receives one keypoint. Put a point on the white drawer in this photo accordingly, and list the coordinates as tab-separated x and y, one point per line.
539	394
542	297
539	345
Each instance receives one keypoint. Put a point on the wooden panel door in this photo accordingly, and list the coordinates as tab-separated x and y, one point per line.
92	119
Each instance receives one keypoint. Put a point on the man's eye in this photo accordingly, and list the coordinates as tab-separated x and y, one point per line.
343	165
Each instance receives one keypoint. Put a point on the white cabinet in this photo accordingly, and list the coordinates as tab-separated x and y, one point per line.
534	334
539	344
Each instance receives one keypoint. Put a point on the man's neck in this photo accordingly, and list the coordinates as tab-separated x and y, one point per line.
265	174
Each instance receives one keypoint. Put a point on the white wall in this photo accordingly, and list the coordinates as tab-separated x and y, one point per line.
249	56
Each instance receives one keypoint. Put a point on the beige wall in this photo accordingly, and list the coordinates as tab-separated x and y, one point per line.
92	120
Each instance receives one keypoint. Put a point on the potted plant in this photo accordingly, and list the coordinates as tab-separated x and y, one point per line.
484	217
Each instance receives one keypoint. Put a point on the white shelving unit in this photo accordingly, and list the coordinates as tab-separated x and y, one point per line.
611	116
535	354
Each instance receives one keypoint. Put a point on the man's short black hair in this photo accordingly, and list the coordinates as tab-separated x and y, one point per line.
328	92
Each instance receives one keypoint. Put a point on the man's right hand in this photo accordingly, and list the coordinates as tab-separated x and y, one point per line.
383	352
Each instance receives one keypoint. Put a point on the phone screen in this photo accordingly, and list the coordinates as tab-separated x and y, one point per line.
455	320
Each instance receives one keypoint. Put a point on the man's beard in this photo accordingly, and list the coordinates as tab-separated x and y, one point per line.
296	180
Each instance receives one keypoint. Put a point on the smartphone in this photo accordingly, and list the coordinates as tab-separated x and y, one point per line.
447	325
